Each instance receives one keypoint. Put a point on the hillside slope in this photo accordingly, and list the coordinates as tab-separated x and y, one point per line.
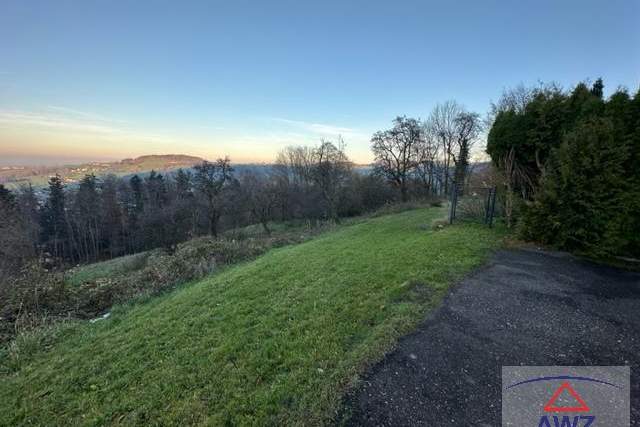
13	177
273	341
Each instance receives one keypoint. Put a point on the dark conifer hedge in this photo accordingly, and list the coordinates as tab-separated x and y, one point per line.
580	155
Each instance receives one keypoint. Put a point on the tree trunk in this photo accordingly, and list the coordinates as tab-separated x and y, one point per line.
265	225
213	226
508	205
403	191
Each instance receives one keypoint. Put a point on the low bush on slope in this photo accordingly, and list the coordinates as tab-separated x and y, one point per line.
272	341
36	298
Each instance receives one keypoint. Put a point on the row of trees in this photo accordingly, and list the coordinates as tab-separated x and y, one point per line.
108	217
571	162
432	154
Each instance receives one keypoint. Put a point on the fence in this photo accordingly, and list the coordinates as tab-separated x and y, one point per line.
473	204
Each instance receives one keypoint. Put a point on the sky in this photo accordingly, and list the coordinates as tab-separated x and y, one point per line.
105	80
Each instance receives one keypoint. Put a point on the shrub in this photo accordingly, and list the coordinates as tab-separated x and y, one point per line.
37	297
32	297
471	207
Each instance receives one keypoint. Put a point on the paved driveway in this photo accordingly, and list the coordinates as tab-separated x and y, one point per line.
526	307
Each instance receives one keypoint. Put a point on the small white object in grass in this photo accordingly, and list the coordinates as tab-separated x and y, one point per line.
320	370
104	316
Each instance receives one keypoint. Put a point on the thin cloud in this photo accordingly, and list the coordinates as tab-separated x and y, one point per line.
317	128
71	122
53	122
82	114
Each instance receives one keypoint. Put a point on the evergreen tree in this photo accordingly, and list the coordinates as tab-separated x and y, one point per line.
6	197
111	217
210	180
580	203
184	214
54	225
586	178
598	88
16	248
156	190
134	209
184	188
137	203
29	207
86	219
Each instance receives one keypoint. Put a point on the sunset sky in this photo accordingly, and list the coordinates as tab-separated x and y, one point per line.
95	80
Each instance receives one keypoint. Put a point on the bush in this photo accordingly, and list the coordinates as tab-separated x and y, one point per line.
28	343
472	207
36	297
32	297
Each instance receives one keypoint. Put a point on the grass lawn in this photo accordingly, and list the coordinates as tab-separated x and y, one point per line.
273	341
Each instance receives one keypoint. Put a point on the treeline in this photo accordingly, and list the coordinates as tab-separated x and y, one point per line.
571	166
107	217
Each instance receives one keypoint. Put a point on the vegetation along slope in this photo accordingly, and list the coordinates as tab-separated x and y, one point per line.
272	341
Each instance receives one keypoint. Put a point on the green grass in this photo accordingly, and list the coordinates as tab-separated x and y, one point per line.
114	267
293	230
270	342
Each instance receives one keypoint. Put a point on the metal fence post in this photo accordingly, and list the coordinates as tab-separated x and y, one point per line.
487	204
454	202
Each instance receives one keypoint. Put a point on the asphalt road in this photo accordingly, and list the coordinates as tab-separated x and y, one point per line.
525	308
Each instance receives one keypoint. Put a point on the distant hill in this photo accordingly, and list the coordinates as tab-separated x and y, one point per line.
14	176
158	162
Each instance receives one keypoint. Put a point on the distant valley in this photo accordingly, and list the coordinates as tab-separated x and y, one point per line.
15	176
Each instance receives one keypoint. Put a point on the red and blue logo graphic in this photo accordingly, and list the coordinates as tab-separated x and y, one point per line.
552	407
564	400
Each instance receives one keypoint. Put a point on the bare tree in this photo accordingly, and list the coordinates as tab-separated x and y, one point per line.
210	180
507	164
261	196
298	161
442	125
514	177
455	131
517	98
395	152
293	172
427	156
330	167
468	128
513	99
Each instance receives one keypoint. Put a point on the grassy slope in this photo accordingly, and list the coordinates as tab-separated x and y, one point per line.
273	341
114	267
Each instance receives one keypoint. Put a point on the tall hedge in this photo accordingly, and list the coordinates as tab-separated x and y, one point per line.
583	155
